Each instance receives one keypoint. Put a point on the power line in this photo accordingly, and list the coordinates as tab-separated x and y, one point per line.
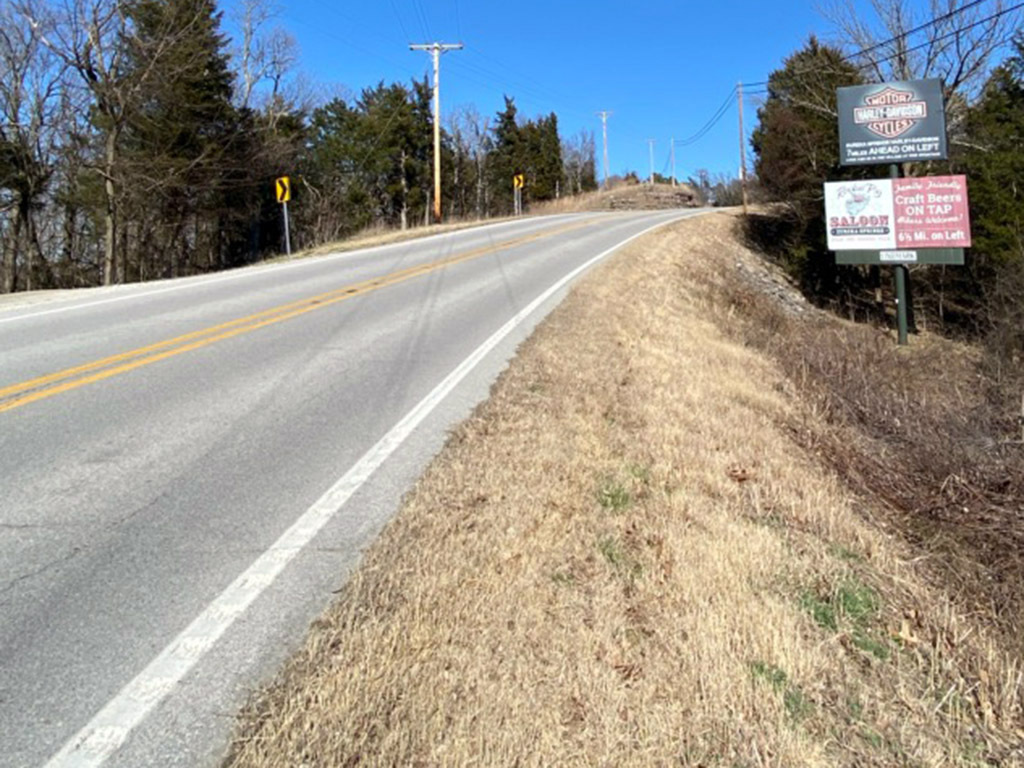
727	103
915	30
421	14
955	32
488	77
712	121
398	18
519	80
326	32
924	26
721	112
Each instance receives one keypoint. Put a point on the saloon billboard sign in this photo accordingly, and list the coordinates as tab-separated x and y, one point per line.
893	122
904	220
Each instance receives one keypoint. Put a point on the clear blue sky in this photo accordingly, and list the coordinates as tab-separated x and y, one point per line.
662	67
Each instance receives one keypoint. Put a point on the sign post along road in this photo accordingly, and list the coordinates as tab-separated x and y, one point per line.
518	182
897	122
283	189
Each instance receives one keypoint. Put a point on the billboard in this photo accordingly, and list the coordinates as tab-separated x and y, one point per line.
898	214
893	122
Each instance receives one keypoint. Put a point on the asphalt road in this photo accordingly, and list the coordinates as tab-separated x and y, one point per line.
189	468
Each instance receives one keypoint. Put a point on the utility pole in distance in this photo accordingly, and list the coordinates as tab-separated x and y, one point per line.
604	132
672	143
743	150
436	49
650	143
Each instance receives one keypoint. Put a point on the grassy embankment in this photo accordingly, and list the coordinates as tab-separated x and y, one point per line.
660	542
622	198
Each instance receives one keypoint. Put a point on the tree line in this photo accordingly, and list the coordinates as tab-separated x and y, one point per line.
137	141
979	56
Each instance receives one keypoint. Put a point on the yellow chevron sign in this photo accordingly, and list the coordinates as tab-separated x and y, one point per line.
284	189
518	181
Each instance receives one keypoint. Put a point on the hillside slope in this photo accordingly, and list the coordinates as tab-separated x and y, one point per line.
624	197
634	554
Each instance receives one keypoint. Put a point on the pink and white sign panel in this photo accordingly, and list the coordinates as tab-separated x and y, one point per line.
883	214
932	212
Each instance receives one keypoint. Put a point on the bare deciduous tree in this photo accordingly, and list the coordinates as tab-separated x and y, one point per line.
468	132
30	111
578	158
88	35
947	39
250	53
95	40
267	55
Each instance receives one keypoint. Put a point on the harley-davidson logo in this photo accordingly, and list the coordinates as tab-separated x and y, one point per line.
890	113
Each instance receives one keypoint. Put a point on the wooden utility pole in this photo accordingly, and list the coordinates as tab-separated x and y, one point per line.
650	144
672	144
436	49
604	132
743	149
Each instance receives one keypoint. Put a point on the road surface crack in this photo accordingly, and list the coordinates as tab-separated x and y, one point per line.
6	588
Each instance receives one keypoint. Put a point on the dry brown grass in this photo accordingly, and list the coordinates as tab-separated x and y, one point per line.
624	197
628	197
926	432
386	235
625	558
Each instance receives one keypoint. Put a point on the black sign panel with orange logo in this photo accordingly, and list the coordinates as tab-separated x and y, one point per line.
895	122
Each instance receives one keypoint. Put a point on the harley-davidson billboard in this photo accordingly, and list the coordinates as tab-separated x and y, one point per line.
896	122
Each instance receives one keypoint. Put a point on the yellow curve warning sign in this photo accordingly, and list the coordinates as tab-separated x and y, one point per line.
284	189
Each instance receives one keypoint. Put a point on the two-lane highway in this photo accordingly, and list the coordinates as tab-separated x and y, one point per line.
188	468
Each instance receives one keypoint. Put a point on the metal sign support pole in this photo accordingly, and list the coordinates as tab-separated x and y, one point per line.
901	304
287	234
902	275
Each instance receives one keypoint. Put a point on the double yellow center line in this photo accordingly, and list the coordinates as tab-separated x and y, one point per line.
25	392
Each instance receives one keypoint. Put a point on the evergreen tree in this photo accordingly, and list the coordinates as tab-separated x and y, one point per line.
339	200
506	159
796	146
395	133
181	140
989	294
542	158
996	162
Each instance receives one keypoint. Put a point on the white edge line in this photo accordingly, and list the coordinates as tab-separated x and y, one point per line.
261	269
108	730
